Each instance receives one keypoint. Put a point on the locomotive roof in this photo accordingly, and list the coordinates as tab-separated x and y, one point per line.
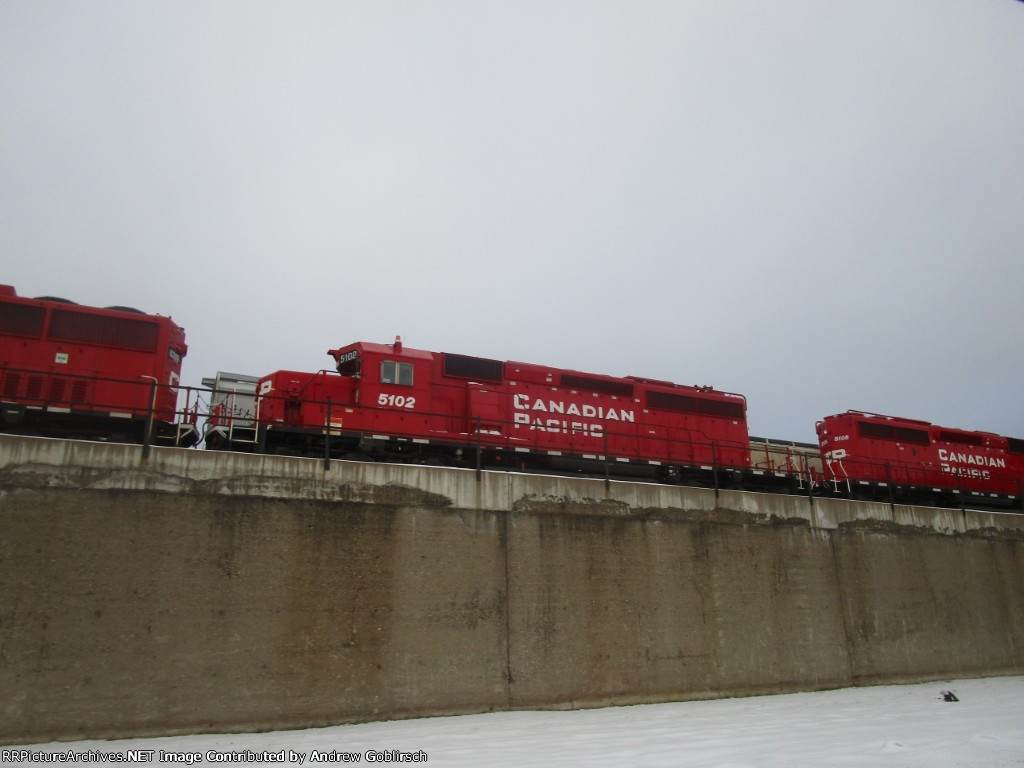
926	425
544	374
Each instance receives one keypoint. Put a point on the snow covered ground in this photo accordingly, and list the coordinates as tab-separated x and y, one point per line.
893	726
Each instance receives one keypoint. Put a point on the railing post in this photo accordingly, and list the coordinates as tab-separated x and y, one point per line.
479	476
147	435
607	470
714	467
327	438
888	478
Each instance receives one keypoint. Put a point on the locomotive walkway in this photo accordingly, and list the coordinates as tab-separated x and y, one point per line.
199	591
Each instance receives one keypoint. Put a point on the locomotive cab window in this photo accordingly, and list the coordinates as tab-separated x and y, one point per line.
393	372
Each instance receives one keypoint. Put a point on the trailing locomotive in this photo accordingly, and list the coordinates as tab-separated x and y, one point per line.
68	370
866	454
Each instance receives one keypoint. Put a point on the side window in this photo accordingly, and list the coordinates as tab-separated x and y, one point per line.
393	372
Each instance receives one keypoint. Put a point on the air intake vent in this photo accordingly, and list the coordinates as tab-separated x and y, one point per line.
127	333
475	368
705	406
897	434
589	384
21	319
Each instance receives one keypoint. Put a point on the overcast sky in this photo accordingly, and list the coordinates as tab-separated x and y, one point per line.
819	205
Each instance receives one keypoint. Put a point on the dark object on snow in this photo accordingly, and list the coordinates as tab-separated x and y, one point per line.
949	696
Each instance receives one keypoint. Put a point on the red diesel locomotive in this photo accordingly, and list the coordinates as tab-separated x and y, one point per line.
387	401
74	371
863	451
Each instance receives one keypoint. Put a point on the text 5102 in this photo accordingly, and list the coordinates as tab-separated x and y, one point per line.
396	401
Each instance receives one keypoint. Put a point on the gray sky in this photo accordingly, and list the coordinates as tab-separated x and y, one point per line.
819	205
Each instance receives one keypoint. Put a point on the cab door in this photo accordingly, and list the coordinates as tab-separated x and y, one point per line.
395	390
486	410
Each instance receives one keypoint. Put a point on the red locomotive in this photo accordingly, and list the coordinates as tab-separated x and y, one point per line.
74	371
920	458
389	401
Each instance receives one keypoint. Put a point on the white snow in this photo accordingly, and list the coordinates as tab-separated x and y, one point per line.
893	726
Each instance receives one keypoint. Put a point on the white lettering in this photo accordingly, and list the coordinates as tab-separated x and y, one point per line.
524	402
971	459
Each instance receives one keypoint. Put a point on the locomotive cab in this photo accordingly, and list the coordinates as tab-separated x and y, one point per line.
388	377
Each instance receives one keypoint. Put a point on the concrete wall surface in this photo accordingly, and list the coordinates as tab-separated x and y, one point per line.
197	591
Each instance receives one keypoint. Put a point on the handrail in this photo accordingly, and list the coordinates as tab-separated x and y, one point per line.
626	441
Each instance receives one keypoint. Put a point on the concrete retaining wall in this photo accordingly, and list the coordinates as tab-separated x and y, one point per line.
208	592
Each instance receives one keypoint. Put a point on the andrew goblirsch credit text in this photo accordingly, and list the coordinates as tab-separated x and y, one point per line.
281	756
